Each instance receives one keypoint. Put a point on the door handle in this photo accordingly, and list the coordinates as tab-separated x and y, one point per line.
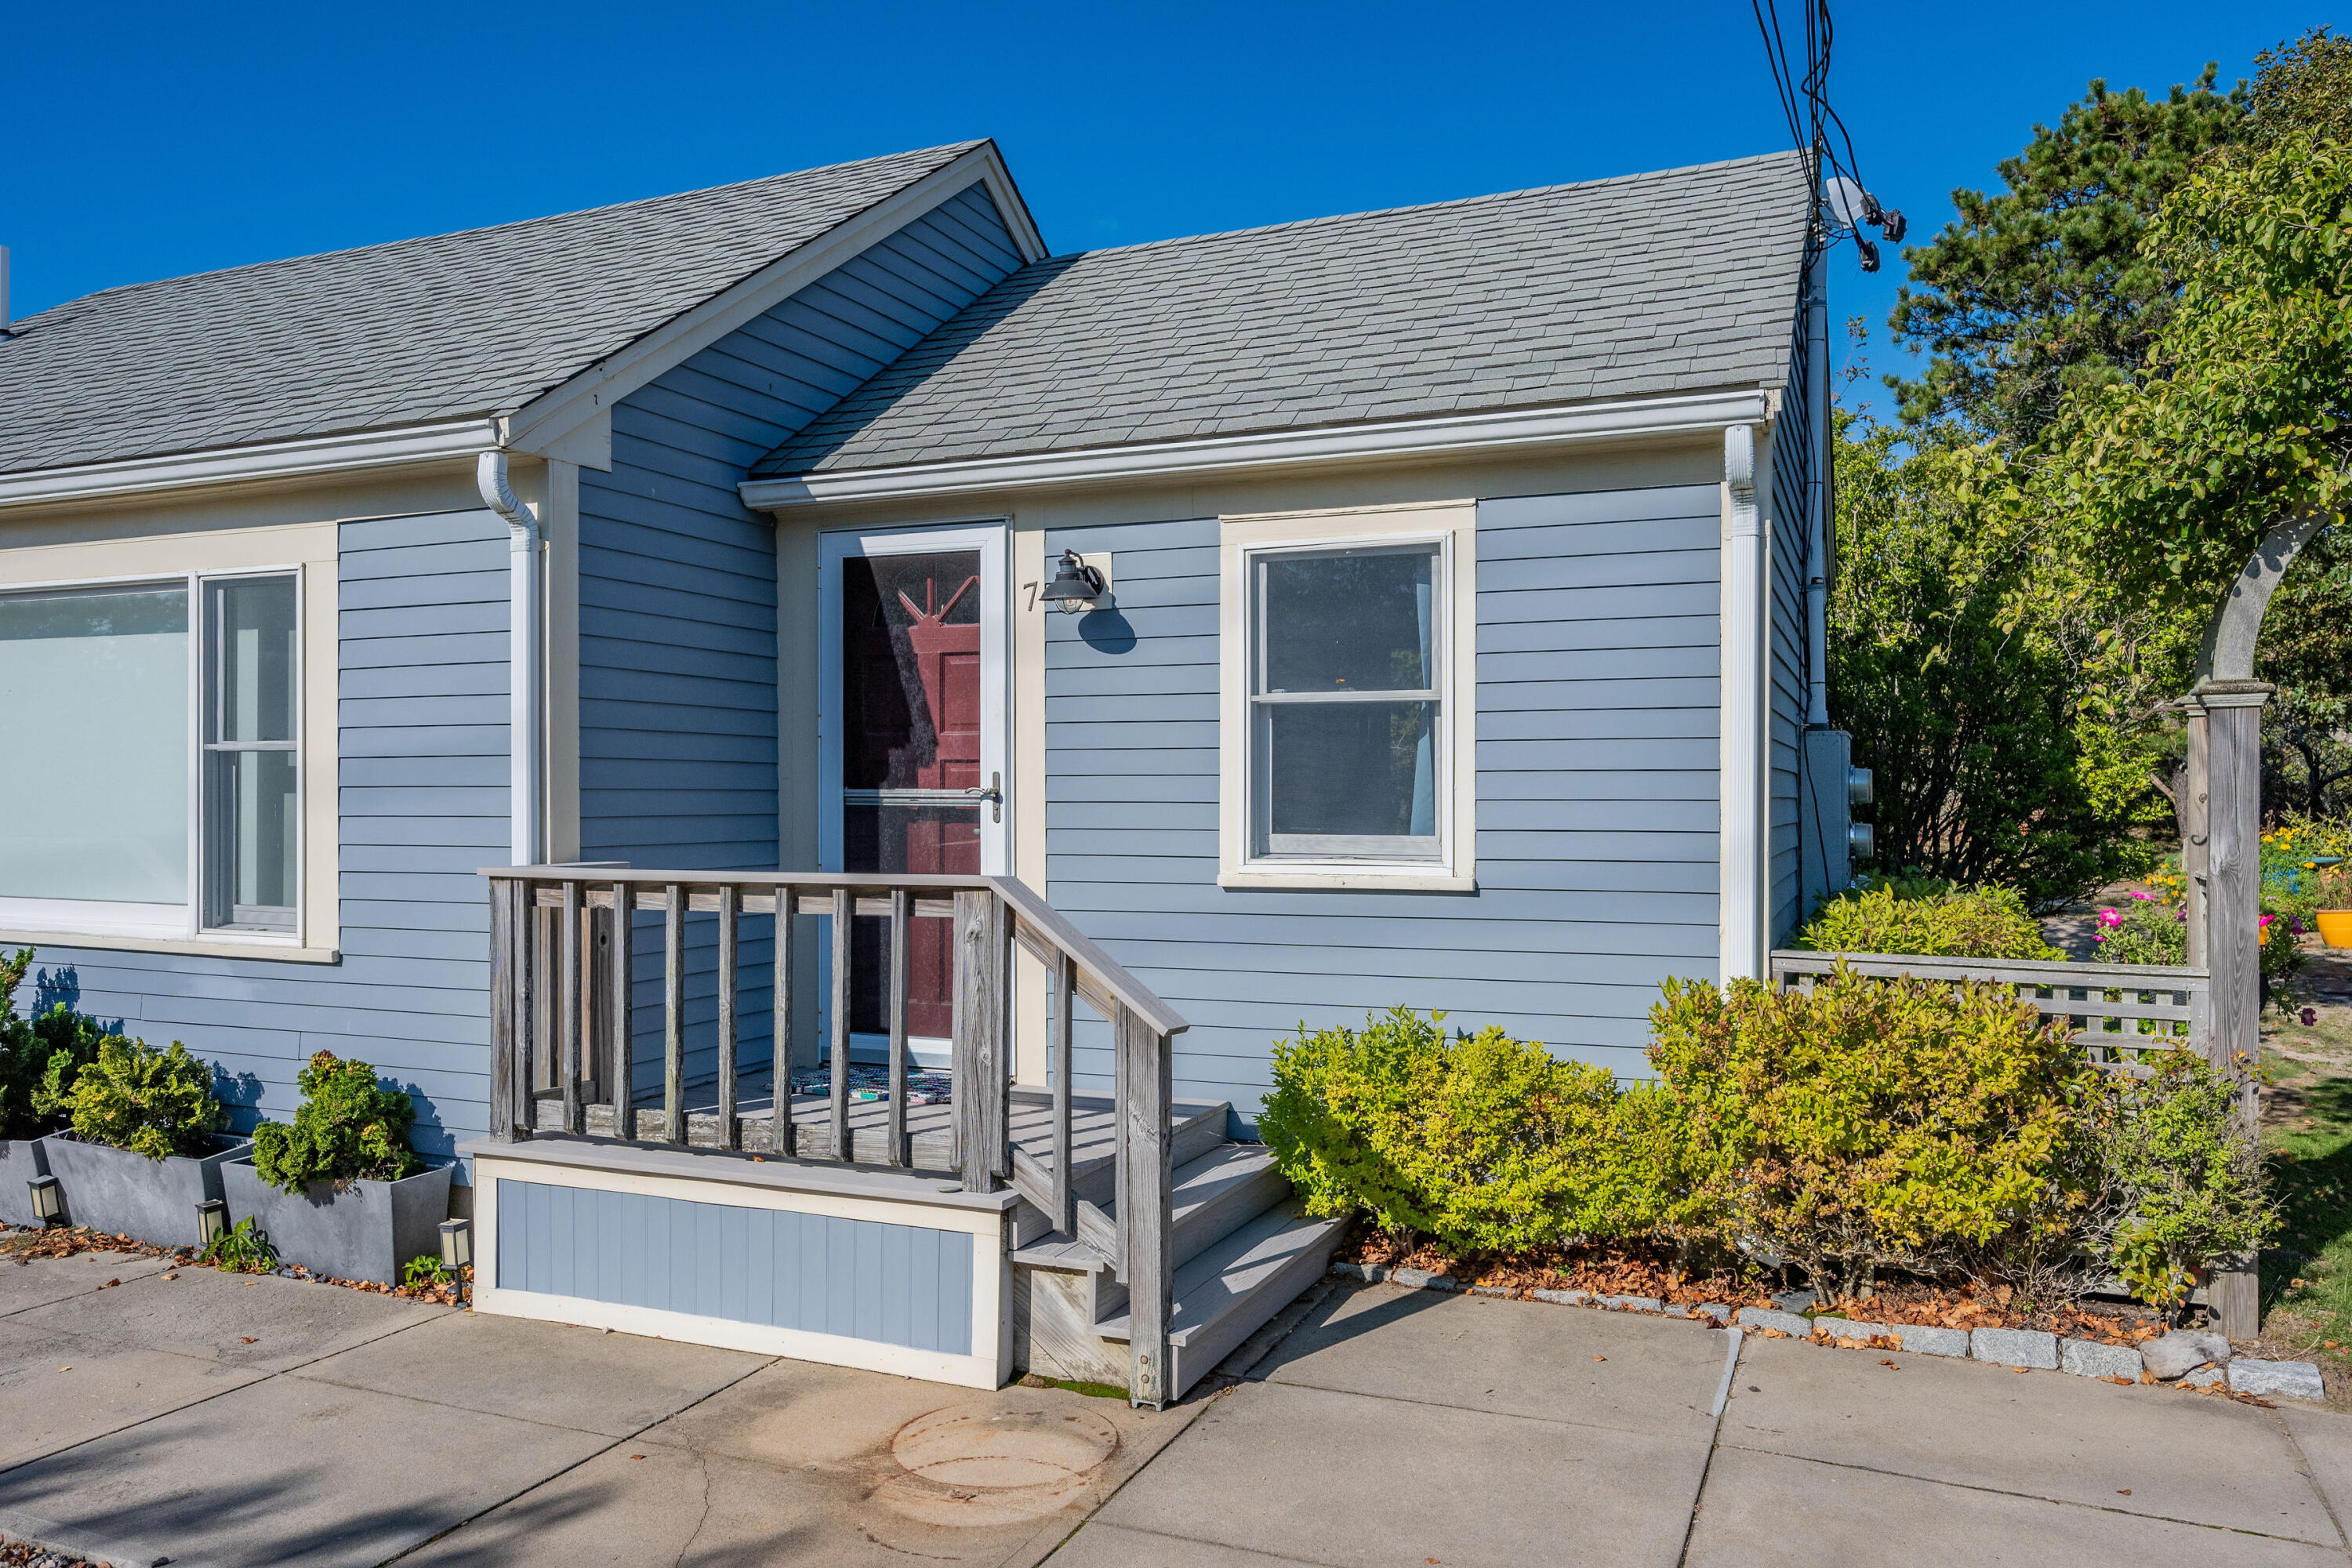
994	795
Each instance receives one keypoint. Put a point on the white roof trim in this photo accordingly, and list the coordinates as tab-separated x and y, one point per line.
1394	438
236	465
591	392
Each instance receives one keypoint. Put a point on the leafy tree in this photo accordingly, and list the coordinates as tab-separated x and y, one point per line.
2043	285
1981	671
2305	87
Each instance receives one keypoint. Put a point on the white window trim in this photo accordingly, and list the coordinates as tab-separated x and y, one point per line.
180	927
1454	526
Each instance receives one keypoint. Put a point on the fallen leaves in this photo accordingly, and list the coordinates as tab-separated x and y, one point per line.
247	1340
1887	1363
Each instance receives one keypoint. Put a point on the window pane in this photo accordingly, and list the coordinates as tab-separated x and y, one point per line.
1354	620
255	808
1352	769
94	800
253	662
910	670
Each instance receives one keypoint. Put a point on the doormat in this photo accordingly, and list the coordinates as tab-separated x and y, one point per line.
869	1081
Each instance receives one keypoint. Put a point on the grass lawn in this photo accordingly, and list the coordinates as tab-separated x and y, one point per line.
2307	1130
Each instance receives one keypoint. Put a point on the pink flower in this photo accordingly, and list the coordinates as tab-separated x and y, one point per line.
2110	918
2267	919
2144	898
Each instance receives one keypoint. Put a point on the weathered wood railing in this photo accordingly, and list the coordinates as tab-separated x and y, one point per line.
2116	1011
564	1020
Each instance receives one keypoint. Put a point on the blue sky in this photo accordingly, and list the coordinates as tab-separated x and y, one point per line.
144	141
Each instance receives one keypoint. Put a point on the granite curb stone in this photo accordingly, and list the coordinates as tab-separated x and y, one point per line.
1921	1340
2172	1355
1846	1327
2206	1377
2015	1347
2092	1358
2292	1379
1766	1318
1633	1303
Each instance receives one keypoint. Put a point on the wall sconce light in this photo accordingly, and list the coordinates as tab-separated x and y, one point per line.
49	1199
212	1221
1075	586
457	1243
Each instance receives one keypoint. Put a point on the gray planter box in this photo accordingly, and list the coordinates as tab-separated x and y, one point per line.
360	1230
21	1160
148	1200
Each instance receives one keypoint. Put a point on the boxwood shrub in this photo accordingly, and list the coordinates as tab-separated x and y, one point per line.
1931	919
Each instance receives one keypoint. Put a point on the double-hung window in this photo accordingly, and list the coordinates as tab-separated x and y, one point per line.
154	781
1347	722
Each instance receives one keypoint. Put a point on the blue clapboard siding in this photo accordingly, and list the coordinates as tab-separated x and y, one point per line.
1793	455
422	695
677	591
1598	817
894	1284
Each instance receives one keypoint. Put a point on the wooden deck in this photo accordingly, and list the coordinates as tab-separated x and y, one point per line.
929	1128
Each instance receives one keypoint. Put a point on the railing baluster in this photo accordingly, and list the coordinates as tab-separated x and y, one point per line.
844	909
901	906
673	1013
780	1138
567	1002
530	1044
1066	1199
625	1063
730	900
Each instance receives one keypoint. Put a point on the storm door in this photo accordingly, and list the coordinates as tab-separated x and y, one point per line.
915	763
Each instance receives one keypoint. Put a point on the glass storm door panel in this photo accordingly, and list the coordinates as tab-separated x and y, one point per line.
913	755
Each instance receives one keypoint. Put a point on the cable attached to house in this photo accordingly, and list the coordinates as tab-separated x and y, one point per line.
523	679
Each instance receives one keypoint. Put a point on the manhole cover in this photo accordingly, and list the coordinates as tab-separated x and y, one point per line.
980	1466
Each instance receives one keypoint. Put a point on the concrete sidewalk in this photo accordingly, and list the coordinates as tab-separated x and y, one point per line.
217	1419
1410	1428
223	1421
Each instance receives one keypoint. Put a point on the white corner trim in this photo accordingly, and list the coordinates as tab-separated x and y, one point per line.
547	417
1741	779
1635	417
234	465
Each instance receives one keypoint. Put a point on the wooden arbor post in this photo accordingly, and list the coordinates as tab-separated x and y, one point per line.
2225	830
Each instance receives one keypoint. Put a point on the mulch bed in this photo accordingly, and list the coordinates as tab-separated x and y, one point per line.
16	1554
1633	1270
23	1246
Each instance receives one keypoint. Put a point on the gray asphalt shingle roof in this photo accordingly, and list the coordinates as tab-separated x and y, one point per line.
444	328
1677	281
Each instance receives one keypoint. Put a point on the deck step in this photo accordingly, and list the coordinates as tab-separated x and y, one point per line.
1229	1290
1213	1194
1095	1177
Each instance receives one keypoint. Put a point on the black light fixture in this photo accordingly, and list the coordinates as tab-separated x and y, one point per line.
212	1221
49	1199
457	1243
1075	586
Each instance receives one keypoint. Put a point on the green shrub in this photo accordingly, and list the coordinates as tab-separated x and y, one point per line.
348	1128
1482	1142
1930	919
2186	1175
1873	1123
32	1096
153	1102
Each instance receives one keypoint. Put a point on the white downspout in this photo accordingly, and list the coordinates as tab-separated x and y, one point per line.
1817	546
1743	712
523	678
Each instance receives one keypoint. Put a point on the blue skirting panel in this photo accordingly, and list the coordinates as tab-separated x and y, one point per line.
894	1284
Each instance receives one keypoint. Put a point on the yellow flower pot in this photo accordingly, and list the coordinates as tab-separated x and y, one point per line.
2336	927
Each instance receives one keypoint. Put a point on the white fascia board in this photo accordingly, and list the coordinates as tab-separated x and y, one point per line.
590	394
246	465
1706	412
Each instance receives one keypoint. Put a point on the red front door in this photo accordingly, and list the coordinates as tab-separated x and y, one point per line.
911	745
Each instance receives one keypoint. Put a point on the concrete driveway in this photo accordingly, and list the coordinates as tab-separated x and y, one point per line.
213	1419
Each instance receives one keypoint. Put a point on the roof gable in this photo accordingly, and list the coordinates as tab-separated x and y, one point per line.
475	324
1685	280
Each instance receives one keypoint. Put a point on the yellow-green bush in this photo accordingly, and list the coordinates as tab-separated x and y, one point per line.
2186	1178
1931	919
1873	1123
1481	1142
